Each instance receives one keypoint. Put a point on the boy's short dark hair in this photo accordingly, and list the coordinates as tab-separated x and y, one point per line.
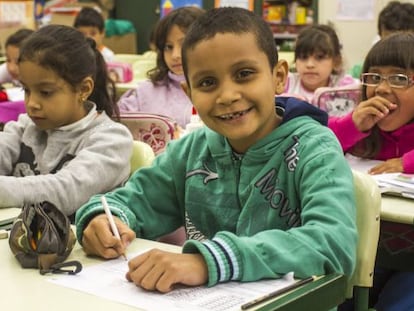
396	16
89	17
17	38
230	20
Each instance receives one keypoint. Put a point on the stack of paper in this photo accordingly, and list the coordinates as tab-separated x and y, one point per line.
393	183
396	184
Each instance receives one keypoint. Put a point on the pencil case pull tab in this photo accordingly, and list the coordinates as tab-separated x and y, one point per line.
69	267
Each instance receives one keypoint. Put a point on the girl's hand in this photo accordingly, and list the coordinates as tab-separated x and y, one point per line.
99	240
390	166
161	270
367	113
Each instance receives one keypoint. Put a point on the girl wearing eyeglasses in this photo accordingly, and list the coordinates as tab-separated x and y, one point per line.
381	127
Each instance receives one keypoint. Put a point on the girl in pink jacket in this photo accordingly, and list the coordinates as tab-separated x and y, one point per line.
382	125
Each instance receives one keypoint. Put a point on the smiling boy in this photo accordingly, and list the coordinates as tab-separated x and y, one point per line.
262	190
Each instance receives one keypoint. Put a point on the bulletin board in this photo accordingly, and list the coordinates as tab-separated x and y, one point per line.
245	4
17	12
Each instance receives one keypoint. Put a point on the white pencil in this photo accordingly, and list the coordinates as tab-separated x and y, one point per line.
111	220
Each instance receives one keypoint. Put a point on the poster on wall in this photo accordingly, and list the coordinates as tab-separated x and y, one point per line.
245	4
168	5
355	10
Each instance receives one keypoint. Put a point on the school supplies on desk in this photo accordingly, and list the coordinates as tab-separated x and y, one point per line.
107	280
111	221
396	184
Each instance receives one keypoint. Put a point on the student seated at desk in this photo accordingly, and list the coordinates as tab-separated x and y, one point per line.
318	63
92	24
262	190
9	71
162	94
394	17
381	127
66	148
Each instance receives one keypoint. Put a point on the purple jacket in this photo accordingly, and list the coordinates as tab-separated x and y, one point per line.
169	100
396	144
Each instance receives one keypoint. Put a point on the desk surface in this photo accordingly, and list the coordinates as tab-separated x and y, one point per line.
397	209
26	287
37	293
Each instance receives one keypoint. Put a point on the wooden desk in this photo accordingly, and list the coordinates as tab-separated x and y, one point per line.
23	289
396	245
397	209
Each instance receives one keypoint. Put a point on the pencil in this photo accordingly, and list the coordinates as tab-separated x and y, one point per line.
111	221
276	293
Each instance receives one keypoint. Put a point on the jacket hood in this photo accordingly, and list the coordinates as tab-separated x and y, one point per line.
291	107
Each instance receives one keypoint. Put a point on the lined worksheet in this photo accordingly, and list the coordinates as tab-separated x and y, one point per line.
107	280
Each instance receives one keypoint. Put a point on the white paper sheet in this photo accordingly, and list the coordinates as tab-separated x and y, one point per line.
107	280
361	165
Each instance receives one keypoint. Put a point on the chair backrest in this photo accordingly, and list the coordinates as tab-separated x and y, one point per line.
142	155
153	129
337	101
127	58
368	205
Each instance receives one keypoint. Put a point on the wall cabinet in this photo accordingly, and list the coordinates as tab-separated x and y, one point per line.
283	17
287	18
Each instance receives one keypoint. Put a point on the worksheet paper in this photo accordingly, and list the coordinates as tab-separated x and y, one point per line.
107	280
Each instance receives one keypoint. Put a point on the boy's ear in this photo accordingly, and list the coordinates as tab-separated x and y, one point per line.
186	88
280	73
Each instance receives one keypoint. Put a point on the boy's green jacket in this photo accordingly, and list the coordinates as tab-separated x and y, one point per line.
286	205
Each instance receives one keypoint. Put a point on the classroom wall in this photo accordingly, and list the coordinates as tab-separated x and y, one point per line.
356	36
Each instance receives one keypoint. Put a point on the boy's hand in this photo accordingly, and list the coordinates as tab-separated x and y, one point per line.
390	166
160	270
367	113
99	240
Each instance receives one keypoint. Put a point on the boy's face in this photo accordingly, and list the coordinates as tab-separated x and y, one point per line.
93	33
12	55
233	88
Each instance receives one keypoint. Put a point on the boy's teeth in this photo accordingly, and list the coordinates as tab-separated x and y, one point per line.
232	115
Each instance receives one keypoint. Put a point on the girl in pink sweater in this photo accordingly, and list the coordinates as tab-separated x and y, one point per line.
381	127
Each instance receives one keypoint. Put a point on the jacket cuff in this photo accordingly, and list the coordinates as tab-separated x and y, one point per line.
221	256
82	218
408	162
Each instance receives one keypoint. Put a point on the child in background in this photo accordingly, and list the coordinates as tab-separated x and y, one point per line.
395	16
318	62
381	127
66	148
263	189
162	94
92	24
9	71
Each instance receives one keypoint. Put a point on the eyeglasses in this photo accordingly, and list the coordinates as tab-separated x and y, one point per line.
398	81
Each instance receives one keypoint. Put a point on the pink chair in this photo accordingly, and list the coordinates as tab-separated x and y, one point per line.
337	101
9	111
